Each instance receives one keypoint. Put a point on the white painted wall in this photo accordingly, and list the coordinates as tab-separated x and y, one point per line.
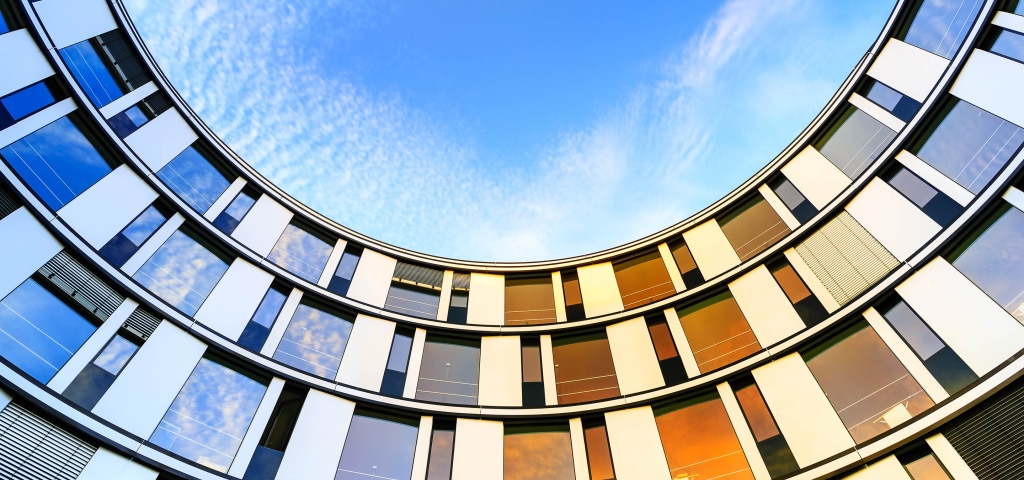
25	245
600	290
366	355
318	439
486	299
711	249
445	302
412	376
637	453
284	317
935	178
992	83
579	449
673	269
108	206
636	362
161	139
262	225
234	300
24	64
501	371
71	21
547	365
900	226
910	70
332	262
479	450
256	427
816	177
107	465
127	100
372	279
767	308
141	394
876	112
556	286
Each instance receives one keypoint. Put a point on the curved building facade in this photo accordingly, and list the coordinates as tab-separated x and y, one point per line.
852	310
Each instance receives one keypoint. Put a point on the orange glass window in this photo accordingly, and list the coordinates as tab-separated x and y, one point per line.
532	454
584	370
718	332
684	260
927	468
791	283
700	442
865	382
643	280
663	344
756	411
753	227
599	453
529	301
531	364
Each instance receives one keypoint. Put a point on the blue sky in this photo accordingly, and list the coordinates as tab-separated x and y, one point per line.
508	130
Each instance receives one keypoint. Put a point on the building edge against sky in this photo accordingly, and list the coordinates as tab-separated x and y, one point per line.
853	309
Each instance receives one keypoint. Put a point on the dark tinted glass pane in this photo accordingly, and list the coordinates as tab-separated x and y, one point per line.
413	301
940	26
1009	44
926	468
756	412
532	365
584	370
442	446
913	187
687	267
38	332
529	301
789	194
913	330
301	253
27	101
643	280
755	227
57	162
599	453
449	373
144	225
718	332
857	143
89	386
398	359
700	442
193	178
269	307
546	455
884	96
91	73
314	341
377	448
342	278
995	259
182	272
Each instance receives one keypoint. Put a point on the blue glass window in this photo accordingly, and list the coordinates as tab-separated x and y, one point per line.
342	278
194	179
3	24
898	104
210	415
24	102
378	448
130	120
971	145
1009	44
398	363
314	341
855	141
57	162
229	219
301	253
258	329
940	26
795	201
937	205
119	249
993	259
182	272
38	332
91	73
93	381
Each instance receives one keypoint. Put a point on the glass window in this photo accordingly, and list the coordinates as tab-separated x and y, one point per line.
538	452
753	227
529	301
867	385
342	277
901	106
795	201
255	334
210	415
944	364
94	380
687	266
442	447
993	257
315	341
717	332
229	219
599	453
119	249
458	306
301	253
583	369
378	446
533	376
39	332
278	431
398	362
937	205
808	306
449	371
926	468
1009	44
412	300
643	280
573	296
24	102
3	24
664	346
182	272
91	72
854	141
940	26
770	443
193	178
130	120
57	162
970	145
699	440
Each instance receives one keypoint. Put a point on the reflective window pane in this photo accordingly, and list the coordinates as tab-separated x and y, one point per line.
599	453
700	442
301	253
867	385
913	330
229	219
664	346
532	364
583	369
753	227
856	142
342	277
971	145
115	355
38	332
756	413
93	381
940	26
532	454
687	266
913	187
442	447
377	448
994	259
27	101
927	468
449	372
718	332
314	341
210	415
529	301
573	296
884	96
791	284
1009	44
398	358
193	178
412	300
255	334
182	272
91	73
144	225
57	162
643	280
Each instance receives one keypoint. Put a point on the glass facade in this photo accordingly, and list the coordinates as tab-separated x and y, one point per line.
442	448
378	446
538	452
182	272
854	141
119	249
940	26
937	205
22	103
584	371
301	253
992	258
687	266
315	341
1009	44
699	440
643	280
90	70
342	277
94	380
599	453
529	301
533	372
398	362
808	306
192	177
449	371
229	219
413	300
753	227
718	332
255	334
669	361
771	444
796	202
901	106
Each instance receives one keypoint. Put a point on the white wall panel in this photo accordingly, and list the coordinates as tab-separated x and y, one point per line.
711	249
445	302
804	415
259	422
673	269
284	317
486	299
372	279
947	455
963	316
636	446
888	468
897	224
636	363
743	433
225	198
501	371
1009	20
682	345
415	360
816	177
24	64
366	355
779	206
127	100
332	262
234	300
161	139
768	311
108	206
876	112
263	225
107	465
992	83
318	439
600	290
910	70
479	450
25	245
422	454
547	365
556	286
935	178
579	449
71	21
140	395
92	346
811	280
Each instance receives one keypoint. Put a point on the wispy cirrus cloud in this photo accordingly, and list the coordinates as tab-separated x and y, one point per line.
253	70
